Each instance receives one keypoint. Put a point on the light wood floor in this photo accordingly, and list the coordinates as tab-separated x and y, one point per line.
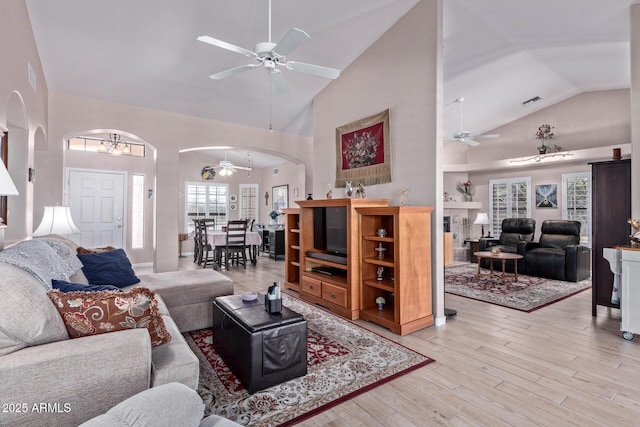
496	366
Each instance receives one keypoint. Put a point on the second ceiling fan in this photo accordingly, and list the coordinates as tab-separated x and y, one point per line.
466	136
270	56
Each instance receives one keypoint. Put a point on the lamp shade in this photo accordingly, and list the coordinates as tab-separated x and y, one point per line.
56	220
482	219
7	188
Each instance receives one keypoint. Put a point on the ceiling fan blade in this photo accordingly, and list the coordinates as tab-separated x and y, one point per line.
279	82
228	46
471	142
232	71
242	167
294	38
488	135
317	70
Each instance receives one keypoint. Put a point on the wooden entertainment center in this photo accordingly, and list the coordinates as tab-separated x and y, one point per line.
348	286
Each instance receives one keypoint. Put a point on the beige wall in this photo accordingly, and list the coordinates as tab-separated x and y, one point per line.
401	72
23	110
168	133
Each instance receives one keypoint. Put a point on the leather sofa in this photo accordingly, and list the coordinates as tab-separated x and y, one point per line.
515	234
558	254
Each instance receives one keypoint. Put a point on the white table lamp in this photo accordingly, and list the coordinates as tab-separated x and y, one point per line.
483	219
57	220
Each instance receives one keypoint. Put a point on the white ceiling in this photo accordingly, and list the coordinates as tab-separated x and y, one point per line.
498	53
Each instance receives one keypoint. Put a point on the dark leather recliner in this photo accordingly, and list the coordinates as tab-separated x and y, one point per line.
558	254
516	232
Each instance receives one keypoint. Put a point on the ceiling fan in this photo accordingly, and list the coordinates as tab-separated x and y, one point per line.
270	56
466	136
225	167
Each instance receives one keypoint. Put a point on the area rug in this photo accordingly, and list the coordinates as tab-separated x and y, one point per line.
343	361
527	294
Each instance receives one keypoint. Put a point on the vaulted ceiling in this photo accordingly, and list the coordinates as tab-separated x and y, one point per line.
497	53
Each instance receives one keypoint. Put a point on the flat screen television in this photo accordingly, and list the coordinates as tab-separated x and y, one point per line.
330	229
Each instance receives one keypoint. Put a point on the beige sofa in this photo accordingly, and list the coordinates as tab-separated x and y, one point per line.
51	380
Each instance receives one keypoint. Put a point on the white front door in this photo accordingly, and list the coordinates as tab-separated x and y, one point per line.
97	207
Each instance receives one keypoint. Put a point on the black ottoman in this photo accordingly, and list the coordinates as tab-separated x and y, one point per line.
260	348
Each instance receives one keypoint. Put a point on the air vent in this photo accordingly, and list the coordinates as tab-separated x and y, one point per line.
276	171
531	101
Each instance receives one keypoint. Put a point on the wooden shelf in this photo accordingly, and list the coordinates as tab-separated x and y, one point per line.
408	297
318	288
292	249
385	285
378	261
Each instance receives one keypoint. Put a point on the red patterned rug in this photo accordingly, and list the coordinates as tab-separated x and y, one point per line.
527	294
343	361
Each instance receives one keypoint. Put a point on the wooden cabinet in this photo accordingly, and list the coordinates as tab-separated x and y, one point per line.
402	274
339	291
292	249
610	210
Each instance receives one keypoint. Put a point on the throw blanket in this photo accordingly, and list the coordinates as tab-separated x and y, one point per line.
39	259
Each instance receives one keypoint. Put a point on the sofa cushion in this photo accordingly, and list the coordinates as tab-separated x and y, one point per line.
65	250
84	251
186	287
64	286
28	317
174	361
39	259
108	268
92	313
171	404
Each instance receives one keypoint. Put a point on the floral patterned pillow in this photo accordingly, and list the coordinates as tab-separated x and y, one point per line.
92	313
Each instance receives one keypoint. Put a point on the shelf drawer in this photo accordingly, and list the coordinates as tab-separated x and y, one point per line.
311	286
334	294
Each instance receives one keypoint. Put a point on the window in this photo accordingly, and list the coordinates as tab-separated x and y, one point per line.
249	201
206	200
576	202
508	198
137	211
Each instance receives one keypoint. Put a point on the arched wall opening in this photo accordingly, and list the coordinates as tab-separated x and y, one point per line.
19	208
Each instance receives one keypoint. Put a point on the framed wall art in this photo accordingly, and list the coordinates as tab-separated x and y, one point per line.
547	196
363	151
280	197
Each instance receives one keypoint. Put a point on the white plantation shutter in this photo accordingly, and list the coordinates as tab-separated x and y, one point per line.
205	200
576	202
249	201
508	198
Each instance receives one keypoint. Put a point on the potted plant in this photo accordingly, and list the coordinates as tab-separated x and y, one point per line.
274	216
544	135
380	301
466	190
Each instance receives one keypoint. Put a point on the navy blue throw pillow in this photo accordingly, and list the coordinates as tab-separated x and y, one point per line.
64	286
108	268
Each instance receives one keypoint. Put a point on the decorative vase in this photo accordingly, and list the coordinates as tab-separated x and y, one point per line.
348	188
380	306
274	221
467	197
309	197
542	149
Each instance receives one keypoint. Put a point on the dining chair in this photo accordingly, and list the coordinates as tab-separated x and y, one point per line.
235	247
208	254
197	241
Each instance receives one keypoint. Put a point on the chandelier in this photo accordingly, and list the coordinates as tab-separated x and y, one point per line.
115	145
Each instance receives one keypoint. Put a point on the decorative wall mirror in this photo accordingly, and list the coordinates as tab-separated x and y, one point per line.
280	197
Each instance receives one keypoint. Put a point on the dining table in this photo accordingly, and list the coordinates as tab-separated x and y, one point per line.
253	242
